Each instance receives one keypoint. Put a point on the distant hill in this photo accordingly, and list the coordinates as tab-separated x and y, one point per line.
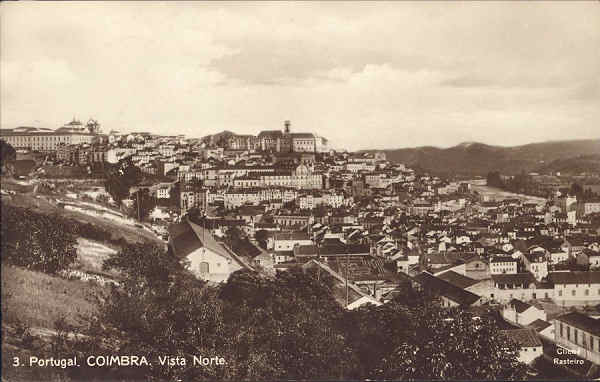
576	165
472	158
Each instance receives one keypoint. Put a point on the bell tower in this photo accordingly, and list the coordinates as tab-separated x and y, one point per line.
287	127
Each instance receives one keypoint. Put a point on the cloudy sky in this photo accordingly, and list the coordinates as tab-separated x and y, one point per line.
364	75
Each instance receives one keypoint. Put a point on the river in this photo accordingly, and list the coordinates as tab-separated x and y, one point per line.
494	193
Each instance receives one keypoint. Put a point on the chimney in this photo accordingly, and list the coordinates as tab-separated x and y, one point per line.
287	125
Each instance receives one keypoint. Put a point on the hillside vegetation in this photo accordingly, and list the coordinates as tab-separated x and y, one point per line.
478	159
38	300
286	327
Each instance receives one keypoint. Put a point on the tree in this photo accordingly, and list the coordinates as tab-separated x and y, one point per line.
451	344
233	236
144	263
261	237
494	179
143	204
286	327
576	190
175	195
120	178
36	241
290	327
7	156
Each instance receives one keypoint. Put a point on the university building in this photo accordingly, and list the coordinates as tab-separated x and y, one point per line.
48	140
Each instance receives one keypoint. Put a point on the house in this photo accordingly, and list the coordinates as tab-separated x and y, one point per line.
503	265
520	285
522	313
530	346
264	260
250	214
346	293
580	334
439	262
477	268
575	287
544	329
537	264
336	252
589	258
286	241
573	245
450	294
204	256
457	267
402	262
558	255
291	221
283	256
475	286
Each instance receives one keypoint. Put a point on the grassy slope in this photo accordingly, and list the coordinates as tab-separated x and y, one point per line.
38	299
40	204
91	256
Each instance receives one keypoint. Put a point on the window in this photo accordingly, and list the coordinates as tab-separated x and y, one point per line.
569	333
573	292
561	329
560	293
587	292
576	335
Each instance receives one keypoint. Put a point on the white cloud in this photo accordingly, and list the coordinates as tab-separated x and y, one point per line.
363	74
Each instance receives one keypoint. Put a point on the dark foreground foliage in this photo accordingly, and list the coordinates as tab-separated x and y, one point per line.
286	327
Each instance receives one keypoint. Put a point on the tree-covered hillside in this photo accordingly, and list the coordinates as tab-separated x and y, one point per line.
479	159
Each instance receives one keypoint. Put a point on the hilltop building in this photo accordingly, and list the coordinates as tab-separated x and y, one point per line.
48	140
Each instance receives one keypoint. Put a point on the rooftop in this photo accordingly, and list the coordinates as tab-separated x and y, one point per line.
523	337
581	321
446	289
574	277
457	279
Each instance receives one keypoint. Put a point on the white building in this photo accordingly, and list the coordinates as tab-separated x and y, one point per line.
528	342
204	256
575	287
503	265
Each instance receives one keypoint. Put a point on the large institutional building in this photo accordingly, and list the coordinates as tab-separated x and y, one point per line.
46	140
279	141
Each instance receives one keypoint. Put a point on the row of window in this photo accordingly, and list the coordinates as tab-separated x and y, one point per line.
586	292
583	337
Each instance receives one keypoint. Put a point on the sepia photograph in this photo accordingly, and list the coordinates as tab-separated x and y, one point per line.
300	190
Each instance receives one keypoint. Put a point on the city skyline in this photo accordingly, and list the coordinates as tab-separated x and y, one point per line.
502	74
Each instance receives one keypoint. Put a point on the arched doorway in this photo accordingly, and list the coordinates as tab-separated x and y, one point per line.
204	268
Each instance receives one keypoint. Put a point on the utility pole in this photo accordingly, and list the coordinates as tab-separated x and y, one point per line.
138	203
